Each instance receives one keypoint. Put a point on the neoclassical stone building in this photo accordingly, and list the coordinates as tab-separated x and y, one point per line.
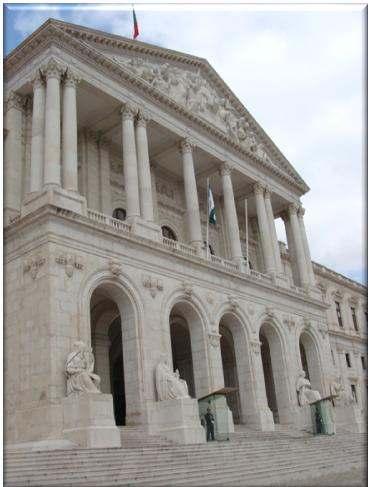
108	146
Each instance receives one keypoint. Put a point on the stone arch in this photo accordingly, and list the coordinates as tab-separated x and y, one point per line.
187	312
309	343
275	369
105	298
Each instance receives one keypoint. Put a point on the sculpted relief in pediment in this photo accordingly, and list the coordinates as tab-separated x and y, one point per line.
197	95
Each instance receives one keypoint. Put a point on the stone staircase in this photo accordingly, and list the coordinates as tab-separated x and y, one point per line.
250	458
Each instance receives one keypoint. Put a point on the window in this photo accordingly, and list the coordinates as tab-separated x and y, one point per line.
119	214
354	392
167	232
338	312
355	322
347	357
363	362
333	357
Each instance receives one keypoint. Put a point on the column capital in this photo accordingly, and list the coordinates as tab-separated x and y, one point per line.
14	100
267	192
186	145
225	169
258	188
70	78
301	211
38	79
293	208
284	215
143	118
53	69
128	111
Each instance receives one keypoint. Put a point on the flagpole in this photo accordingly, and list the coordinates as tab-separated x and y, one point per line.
208	218
246	233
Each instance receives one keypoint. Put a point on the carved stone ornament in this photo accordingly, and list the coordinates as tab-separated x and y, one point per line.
225	169
152	284
187	289
186	145
270	312
70	262
79	367
293	208
336	294
210	299
258	188
323	329
38	79
115	267
142	117
33	265
214	339
128	111
14	100
289	322
70	78
255	346
306	323
234	305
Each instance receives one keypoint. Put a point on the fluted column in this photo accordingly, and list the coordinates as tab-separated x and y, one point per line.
291	247
230	214
38	127
144	171
308	259
264	228
273	234
130	163
299	249
52	173
69	134
191	196
13	155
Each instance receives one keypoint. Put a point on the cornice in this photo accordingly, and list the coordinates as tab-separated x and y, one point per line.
77	38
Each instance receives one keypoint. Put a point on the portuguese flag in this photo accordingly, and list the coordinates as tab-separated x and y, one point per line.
135	26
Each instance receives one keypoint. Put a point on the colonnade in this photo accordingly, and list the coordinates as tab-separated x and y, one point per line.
54	164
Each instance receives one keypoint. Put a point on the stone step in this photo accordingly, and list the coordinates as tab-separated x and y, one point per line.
221	477
153	466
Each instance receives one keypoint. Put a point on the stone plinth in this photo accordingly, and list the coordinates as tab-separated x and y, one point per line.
349	419
89	421
68	200
304	418
145	229
177	420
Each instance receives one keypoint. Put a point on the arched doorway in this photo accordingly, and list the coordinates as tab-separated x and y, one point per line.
113	340
188	346
275	374
309	358
182	351
230	370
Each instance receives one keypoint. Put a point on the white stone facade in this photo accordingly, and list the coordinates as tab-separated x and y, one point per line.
95	123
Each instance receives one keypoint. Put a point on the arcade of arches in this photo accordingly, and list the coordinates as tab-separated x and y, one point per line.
110	324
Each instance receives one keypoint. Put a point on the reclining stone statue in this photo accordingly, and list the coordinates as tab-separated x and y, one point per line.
305	392
169	385
79	370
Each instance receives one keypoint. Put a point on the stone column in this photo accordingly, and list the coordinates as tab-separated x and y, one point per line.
130	164
144	172
52	173
13	155
38	127
308	259
291	247
273	234
264	228
154	192
299	249
105	188
191	196
69	135
230	214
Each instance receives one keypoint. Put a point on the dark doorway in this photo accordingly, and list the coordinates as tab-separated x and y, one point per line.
303	357
230	371
182	353
117	372
268	377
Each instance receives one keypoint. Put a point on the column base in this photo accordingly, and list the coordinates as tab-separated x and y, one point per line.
260	420
55	196
145	229
177	420
89	421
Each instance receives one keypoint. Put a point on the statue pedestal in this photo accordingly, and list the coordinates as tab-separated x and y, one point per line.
177	420
89	422
349	419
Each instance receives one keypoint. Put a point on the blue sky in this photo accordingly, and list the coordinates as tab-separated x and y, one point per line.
298	71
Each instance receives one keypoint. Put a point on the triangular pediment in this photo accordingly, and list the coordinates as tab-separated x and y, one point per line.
194	86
